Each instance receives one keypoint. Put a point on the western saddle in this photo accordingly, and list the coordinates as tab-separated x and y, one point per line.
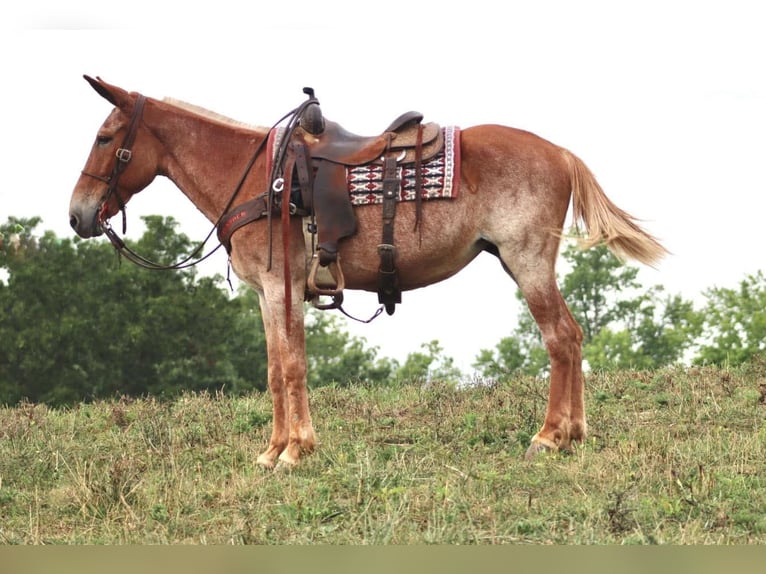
309	169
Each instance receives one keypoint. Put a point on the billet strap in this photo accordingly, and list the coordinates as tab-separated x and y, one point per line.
419	179
389	293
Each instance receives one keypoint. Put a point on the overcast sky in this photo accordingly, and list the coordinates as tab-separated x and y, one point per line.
665	101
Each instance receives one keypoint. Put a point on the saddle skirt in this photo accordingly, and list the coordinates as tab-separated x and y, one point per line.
440	171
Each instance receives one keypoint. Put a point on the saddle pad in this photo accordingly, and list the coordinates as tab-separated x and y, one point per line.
440	176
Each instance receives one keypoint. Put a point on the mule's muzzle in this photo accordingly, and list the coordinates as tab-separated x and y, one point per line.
85	227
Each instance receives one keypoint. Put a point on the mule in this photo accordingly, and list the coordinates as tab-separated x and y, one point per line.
515	189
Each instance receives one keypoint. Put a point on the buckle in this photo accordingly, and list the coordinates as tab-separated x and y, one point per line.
124	155
402	155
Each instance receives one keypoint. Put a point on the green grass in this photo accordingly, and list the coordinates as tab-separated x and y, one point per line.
676	456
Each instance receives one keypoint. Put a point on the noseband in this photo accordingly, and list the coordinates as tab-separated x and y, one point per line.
123	156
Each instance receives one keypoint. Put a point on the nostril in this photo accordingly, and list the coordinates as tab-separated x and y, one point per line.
73	221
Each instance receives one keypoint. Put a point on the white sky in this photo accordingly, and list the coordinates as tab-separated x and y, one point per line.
665	101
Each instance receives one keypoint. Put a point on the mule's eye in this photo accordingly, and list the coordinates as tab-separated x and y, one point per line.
103	140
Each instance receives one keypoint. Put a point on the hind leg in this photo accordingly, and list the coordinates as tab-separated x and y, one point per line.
565	414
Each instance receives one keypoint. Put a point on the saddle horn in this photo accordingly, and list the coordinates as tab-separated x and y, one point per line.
311	119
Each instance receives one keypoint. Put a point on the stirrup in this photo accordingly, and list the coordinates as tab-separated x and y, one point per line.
336	274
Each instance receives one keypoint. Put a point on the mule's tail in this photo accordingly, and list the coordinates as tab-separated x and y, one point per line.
605	222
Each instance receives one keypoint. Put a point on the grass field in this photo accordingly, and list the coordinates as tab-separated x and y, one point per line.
676	456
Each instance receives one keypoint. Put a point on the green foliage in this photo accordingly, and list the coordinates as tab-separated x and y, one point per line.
336	358
431	365
735	322
655	332
522	353
78	325
624	325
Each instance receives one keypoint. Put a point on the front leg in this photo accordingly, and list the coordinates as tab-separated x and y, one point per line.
281	414
301	436
293	432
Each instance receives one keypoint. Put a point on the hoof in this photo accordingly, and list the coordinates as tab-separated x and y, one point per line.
266	461
540	446
286	461
279	464
284	466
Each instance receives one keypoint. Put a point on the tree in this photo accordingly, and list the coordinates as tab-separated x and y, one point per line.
624	325
77	325
592	288
43	316
523	352
431	365
334	357
735	322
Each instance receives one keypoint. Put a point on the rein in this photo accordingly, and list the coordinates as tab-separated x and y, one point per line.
278	192
123	156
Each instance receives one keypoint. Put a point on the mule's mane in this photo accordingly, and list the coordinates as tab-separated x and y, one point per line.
212	115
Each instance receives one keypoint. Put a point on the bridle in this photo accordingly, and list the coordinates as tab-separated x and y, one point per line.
123	155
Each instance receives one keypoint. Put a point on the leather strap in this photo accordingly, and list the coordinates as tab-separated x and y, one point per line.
243	214
389	293
123	157
419	179
305	177
285	223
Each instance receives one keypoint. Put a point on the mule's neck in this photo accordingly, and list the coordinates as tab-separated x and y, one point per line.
206	158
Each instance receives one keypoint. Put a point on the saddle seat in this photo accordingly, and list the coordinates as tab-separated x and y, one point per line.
338	145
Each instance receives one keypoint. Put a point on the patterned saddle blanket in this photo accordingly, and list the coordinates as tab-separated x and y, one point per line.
440	176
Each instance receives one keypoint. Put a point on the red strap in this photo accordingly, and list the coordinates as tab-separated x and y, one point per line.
285	196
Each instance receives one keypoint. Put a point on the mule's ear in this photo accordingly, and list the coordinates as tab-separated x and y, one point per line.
113	94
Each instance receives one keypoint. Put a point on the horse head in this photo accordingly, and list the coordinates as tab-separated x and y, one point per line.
124	159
